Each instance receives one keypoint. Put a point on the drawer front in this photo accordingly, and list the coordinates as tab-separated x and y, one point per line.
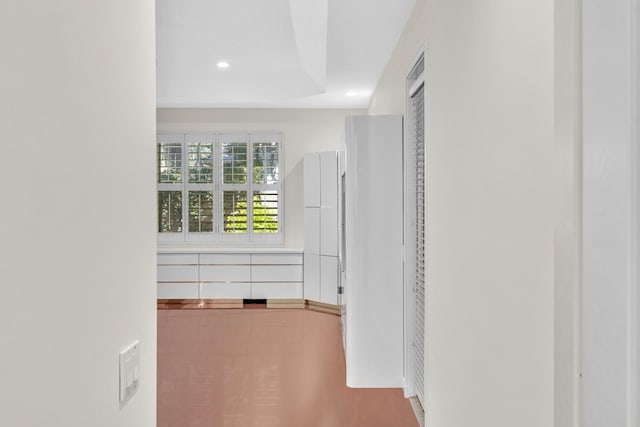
294	258
276	273
177	273
225	291
177	259
276	290
213	259
178	291
225	273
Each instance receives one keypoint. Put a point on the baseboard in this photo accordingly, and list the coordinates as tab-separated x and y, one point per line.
285	303
417	410
194	304
324	308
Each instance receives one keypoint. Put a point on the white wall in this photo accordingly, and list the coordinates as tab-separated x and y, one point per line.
77	251
610	270
305	130
490	215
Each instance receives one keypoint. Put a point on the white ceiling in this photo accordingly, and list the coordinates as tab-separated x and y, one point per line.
282	53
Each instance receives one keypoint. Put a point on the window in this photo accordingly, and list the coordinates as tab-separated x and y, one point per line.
220	187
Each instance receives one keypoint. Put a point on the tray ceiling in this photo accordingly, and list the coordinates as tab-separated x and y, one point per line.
281	53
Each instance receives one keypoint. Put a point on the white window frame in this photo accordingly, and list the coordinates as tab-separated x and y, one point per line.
218	187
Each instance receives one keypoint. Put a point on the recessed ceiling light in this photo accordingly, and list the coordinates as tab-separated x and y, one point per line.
222	64
351	93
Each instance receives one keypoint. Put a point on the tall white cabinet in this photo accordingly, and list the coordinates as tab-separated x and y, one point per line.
373	299
321	227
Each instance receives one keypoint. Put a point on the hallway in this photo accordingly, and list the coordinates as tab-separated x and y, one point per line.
263	368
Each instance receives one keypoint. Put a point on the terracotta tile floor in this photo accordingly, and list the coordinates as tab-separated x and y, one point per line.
263	368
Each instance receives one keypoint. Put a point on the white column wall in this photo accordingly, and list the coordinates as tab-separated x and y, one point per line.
491	199
77	210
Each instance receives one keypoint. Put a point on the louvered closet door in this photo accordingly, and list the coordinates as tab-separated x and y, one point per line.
417	115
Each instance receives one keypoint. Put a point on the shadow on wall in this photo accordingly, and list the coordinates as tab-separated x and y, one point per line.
293	182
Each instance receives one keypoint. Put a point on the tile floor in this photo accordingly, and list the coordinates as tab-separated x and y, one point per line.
263	368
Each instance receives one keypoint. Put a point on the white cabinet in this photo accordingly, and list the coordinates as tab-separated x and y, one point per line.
276	276
374	268
178	276
246	274
329	279
321	227
329	203
225	276
312	253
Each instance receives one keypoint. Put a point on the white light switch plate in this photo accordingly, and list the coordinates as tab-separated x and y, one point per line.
129	371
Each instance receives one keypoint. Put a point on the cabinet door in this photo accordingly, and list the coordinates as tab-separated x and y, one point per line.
311	276
329	178
311	180
329	231
329	280
329	203
312	231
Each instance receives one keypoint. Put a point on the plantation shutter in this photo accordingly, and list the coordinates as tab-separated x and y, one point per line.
417	134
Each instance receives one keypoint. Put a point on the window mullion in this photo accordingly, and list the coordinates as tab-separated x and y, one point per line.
185	189
217	193
250	187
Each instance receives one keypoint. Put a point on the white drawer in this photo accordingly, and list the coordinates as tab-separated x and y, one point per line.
294	258
276	290
177	273
276	273
212	259
178	291
225	273
175	259
225	291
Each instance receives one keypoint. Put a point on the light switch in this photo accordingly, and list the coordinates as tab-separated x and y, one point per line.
129	371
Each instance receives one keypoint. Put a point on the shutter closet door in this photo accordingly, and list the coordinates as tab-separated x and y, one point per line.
417	115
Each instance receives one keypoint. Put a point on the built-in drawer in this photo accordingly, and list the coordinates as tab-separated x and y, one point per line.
225	290
225	273
276	273
276	290
230	258
178	291
268	259
178	259
177	273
